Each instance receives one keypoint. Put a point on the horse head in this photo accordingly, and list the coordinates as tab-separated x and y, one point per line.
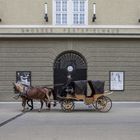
18	87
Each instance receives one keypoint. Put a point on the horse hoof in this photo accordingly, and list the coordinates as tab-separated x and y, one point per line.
23	110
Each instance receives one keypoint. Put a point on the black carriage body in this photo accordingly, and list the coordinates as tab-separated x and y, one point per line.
96	87
76	91
80	88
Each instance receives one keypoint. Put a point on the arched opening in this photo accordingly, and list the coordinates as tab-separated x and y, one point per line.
69	63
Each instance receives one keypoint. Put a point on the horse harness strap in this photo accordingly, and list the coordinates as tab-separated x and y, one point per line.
25	91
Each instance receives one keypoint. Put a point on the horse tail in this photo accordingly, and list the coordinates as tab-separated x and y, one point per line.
47	93
50	92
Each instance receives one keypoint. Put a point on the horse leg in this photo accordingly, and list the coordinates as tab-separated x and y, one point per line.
48	104
23	104
54	97
49	101
54	103
30	105
41	101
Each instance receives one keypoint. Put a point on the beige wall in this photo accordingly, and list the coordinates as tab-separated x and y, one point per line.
102	55
117	12
37	55
31	12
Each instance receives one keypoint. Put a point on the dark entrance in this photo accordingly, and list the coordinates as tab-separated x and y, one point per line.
69	63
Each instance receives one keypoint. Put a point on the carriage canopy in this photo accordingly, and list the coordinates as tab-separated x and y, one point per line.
80	87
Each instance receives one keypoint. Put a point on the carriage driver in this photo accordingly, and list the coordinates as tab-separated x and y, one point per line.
68	88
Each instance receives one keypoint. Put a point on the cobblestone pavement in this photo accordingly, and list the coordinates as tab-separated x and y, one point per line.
121	123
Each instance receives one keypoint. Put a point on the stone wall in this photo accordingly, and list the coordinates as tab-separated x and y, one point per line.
102	55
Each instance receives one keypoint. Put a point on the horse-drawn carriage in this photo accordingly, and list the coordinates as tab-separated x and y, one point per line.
91	92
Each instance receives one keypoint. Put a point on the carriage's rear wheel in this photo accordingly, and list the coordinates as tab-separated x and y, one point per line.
67	105
103	104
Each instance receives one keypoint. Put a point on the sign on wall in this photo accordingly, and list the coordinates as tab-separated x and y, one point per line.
116	79
24	77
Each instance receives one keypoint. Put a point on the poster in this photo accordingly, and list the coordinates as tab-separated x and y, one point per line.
116	81
24	77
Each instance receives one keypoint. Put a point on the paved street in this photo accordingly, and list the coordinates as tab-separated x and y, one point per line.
121	123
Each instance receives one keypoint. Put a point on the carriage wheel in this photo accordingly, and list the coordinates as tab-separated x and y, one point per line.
103	104
67	105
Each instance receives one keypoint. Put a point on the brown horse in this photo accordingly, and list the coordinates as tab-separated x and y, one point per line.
39	93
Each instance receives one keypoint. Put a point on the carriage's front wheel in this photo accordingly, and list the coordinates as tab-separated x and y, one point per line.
67	105
103	104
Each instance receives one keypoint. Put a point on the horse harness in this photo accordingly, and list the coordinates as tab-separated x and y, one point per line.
26	89
25	92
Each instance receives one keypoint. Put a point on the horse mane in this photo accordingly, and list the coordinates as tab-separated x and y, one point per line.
23	84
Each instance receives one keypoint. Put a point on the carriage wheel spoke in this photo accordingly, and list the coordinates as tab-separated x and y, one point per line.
103	104
67	105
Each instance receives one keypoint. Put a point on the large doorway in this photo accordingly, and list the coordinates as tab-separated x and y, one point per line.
69	63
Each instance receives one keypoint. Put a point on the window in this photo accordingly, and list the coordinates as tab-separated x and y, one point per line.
60	12
79	12
70	12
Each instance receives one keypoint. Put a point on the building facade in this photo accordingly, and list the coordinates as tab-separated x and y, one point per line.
43	41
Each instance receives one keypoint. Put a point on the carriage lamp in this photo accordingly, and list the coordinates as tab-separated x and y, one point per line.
0	20
46	12
94	12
